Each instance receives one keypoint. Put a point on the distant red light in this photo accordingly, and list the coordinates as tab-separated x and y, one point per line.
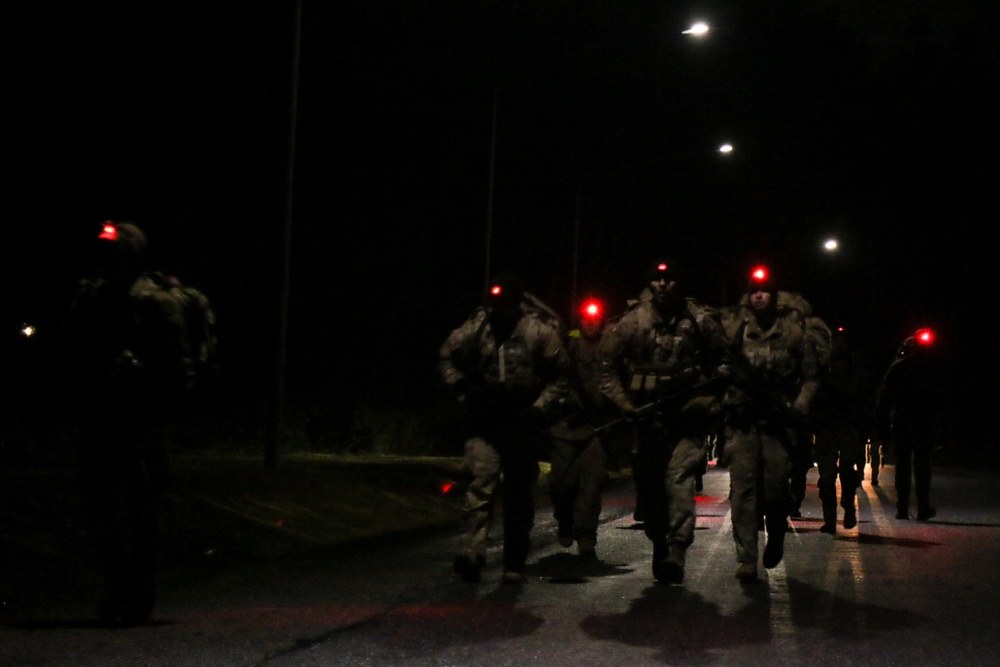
924	336
446	487
662	267
496	290
108	233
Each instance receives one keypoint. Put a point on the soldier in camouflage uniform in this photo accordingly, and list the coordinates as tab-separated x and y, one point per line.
578	458
777	352
665	344
127	360
499	362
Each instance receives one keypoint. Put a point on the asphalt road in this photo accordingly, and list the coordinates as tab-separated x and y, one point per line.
886	593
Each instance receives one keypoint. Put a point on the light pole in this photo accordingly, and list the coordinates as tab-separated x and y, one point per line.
275	413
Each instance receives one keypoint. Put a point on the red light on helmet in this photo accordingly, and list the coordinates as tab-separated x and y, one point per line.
760	274
924	336
592	309
108	232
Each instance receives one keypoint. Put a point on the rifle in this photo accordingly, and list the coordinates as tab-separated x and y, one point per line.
766	398
668	398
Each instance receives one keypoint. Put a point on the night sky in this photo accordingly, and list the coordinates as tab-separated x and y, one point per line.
876	126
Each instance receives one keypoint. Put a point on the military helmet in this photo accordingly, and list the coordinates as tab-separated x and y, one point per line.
505	292
118	251
921	341
125	235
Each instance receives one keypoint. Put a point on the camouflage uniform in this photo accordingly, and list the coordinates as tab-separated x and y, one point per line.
578	458
761	431
127	361
647	357
501	385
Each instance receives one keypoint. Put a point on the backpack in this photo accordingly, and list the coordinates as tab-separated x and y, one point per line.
199	327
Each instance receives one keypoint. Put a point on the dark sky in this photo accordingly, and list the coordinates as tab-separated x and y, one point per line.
877	126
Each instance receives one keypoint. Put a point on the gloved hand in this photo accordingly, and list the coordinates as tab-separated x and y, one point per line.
626	406
576	419
793	416
461	387
534	416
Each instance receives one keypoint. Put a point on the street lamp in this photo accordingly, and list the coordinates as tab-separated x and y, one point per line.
830	245
726	149
697	29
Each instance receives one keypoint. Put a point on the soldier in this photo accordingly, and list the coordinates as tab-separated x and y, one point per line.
127	362
661	352
777	353
578	458
499	362
839	418
912	414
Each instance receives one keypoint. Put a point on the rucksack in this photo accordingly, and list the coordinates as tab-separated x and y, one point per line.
199	325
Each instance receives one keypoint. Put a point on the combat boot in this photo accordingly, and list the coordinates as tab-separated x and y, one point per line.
565	534
775	549
586	546
850	518
926	513
828	528
468	565
746	572
512	577
670	570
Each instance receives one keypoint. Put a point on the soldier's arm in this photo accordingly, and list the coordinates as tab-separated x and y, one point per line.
611	354
815	357
452	357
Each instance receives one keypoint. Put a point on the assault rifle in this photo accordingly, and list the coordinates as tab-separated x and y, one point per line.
675	392
767	401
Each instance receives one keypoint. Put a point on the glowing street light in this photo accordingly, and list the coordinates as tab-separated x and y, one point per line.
830	245
698	29
725	149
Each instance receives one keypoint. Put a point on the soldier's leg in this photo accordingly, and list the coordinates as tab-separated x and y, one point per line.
104	468
875	458
922	479
144	491
649	473
777	495
850	464
904	475
801	464
686	460
826	459
482	461
520	471
592	473
742	459
562	487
